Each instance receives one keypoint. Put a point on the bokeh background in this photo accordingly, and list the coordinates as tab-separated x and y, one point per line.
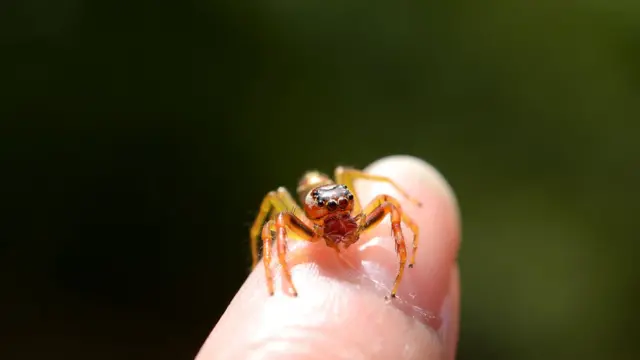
138	139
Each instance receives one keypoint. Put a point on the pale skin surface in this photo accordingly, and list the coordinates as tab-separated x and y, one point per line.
340	312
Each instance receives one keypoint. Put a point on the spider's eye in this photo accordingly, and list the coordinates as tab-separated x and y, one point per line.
350	196
343	203
320	203
332	205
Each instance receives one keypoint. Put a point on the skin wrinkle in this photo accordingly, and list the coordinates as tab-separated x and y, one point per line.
330	349
294	335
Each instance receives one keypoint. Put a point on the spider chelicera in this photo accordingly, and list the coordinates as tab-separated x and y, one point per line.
331	212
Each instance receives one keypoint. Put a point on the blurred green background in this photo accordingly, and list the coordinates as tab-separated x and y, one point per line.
138	139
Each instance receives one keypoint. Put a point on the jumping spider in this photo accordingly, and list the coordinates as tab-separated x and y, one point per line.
332	212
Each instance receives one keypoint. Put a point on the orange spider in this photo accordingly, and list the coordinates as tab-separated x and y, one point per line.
331	212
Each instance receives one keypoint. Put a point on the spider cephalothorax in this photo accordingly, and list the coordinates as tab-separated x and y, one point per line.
328	200
329	207
332	212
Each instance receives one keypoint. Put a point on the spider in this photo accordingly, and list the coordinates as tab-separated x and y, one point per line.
330	212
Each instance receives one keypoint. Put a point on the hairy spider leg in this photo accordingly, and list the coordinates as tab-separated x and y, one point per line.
267	240
283	220
377	209
273	203
347	175
377	201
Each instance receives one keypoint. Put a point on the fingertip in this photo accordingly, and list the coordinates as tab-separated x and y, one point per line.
427	284
413	173
338	312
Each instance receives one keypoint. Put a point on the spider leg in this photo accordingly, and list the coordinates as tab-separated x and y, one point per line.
380	199
283	220
267	240
274	202
377	209
346	176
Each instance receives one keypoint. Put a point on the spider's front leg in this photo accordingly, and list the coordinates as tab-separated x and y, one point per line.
377	209
283	220
274	202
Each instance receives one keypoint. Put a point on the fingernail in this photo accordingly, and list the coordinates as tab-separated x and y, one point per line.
450	316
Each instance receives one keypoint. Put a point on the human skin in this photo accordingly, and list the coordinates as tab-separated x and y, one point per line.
341	311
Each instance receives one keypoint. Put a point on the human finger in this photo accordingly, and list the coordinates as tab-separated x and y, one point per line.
341	312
